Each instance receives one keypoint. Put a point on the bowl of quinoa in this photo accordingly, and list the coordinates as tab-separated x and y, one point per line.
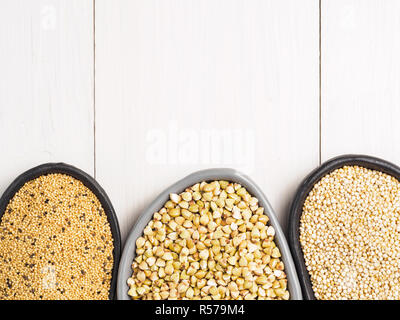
59	237
212	235
344	230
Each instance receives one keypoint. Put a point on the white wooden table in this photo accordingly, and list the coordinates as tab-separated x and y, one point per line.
140	93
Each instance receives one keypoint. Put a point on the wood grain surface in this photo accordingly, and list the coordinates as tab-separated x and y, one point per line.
140	93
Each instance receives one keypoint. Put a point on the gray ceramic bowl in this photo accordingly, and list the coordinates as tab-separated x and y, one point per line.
125	270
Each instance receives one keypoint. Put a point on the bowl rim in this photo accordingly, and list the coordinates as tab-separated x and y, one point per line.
304	189
125	270
91	184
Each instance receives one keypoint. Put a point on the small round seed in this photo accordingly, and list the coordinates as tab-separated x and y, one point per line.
349	233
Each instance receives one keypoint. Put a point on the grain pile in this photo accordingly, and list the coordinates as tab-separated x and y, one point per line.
350	235
55	242
212	241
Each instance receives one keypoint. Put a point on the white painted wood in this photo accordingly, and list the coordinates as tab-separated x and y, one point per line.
361	78
46	85
186	85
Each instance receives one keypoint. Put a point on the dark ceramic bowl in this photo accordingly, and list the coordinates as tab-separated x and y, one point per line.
302	193
90	183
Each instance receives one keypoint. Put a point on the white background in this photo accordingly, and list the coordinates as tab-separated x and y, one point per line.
140	93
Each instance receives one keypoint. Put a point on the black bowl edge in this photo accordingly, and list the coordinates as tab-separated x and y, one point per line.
302	192
89	182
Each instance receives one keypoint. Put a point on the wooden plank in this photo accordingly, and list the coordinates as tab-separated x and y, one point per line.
361	78
46	85
187	85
